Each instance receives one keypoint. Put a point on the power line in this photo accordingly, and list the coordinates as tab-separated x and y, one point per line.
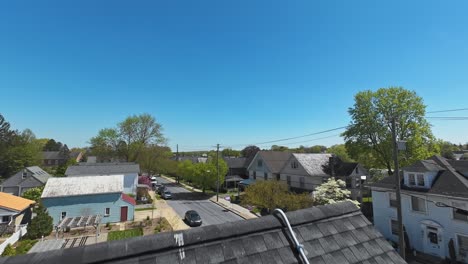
285	139
449	110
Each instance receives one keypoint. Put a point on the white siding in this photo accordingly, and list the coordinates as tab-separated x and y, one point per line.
383	213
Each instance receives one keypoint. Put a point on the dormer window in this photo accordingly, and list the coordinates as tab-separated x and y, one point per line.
421	180
25	174
411	179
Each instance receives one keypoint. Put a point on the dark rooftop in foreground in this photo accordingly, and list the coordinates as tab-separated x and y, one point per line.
336	233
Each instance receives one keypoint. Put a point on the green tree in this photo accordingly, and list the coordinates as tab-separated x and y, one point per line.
205	174
33	194
186	170
447	149
129	138
52	145
273	194
61	169
341	152
41	225
19	151
153	159
332	191
369	137
249	151
279	148
228	152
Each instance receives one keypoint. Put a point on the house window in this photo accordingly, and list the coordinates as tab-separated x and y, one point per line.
265	175
349	182
6	218
107	212
411	179
301	182
392	199
25	174
394	227
255	175
63	215
421	180
418	204
278	177
294	165
460	214
259	163
288	180
462	245
357	169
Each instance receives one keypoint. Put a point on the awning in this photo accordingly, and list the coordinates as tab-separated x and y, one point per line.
247	182
233	178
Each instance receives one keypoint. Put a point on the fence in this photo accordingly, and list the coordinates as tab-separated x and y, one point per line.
21	230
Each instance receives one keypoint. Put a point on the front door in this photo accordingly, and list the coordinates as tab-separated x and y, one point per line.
123	213
433	240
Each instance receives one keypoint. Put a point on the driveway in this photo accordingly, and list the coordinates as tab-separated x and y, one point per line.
184	200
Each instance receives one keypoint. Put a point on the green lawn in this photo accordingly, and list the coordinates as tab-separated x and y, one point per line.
118	235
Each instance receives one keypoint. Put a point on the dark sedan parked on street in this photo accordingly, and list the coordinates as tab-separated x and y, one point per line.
192	218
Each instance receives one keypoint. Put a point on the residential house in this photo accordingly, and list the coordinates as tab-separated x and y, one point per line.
14	212
236	166
27	178
87	196
434	202
336	233
267	165
193	159
130	170
57	158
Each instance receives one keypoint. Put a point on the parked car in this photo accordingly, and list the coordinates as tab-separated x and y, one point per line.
192	218
161	189
166	195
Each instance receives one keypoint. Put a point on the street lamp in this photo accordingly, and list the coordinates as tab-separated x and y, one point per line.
363	179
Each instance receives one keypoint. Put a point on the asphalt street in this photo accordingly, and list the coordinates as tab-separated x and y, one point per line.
184	200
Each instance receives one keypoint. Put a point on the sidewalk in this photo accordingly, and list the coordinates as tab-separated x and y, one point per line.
237	209
162	210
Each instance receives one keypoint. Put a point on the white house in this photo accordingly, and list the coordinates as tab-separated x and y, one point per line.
267	165
434	207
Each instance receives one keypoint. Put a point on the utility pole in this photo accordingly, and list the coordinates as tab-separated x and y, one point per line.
217	172
177	159
401	236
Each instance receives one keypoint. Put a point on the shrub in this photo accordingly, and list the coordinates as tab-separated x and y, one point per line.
9	251
24	246
41	225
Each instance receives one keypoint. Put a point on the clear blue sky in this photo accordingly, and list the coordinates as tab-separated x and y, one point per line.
229	72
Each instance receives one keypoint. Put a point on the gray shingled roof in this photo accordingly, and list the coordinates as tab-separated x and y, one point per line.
274	160
39	173
337	233
235	162
423	166
447	182
102	169
313	163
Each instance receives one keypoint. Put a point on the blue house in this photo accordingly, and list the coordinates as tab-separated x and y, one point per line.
130	170
87	196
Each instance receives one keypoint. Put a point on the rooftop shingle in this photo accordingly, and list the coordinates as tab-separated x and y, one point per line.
262	240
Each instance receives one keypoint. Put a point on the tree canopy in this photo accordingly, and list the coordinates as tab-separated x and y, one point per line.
33	194
41	225
128	140
369	137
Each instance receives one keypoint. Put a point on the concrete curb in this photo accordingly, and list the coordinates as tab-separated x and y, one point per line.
233	210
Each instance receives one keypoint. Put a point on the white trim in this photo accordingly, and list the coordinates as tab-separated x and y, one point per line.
384	189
